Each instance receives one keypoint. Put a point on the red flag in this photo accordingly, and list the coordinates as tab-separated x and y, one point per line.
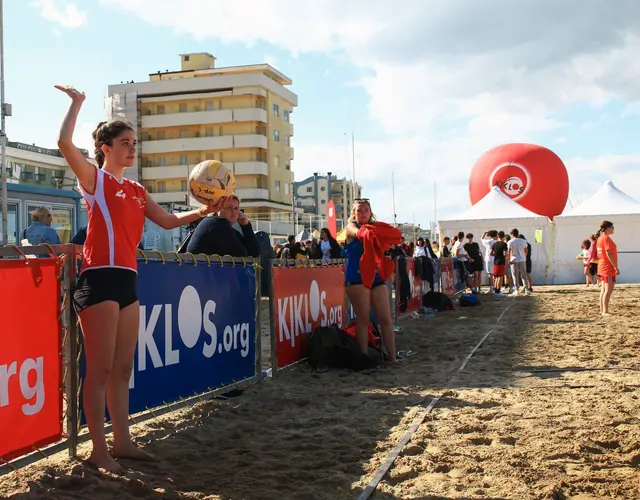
331	214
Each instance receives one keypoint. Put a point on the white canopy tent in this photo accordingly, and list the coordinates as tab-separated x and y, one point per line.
497	211
574	226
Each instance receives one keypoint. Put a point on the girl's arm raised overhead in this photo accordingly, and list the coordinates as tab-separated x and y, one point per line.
83	169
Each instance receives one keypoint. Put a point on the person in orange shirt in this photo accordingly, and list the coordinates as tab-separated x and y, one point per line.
607	264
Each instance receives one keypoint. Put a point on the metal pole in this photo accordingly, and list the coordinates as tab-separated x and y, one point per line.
3	134
71	349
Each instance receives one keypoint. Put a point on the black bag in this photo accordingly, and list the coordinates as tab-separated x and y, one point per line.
438	301
331	347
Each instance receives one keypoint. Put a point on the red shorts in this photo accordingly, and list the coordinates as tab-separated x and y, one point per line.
499	270
607	279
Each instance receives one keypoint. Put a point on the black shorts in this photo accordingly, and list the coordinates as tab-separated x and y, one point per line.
593	269
106	284
528	266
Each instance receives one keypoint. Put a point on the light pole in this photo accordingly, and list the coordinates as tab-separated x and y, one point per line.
3	134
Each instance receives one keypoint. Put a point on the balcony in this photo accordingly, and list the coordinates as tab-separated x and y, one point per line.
204	117
250	168
291	130
204	143
253	194
172	197
291	156
167	172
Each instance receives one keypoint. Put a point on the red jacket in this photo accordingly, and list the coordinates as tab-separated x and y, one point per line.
376	239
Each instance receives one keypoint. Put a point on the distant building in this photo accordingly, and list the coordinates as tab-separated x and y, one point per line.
313	193
41	177
239	115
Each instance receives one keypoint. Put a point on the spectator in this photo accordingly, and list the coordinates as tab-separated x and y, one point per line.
517	256
40	231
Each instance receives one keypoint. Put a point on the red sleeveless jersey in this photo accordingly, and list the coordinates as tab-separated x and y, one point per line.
116	211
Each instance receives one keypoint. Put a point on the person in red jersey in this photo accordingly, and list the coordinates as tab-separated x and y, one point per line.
106	300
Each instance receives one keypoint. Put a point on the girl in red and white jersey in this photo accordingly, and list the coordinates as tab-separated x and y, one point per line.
106	299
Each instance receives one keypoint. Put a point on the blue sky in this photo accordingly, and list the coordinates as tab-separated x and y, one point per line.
426	89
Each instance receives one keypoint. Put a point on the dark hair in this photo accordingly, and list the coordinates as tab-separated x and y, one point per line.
492	234
469	236
501	234
515	233
594	236
447	238
461	235
329	235
586	244
291	238
105	133
603	227
421	239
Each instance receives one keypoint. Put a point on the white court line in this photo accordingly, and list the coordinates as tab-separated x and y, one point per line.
393	455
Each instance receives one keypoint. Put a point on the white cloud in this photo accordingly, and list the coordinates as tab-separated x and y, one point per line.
447	78
63	13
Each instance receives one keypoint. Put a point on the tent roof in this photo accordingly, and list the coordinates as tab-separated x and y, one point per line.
496	205
608	200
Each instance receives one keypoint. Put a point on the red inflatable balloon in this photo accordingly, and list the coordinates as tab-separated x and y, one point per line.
533	176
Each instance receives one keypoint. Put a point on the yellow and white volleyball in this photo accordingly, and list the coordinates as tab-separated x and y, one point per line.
211	180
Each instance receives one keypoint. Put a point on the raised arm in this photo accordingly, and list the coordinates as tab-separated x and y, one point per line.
84	170
165	220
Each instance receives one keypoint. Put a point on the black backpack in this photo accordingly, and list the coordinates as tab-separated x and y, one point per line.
331	347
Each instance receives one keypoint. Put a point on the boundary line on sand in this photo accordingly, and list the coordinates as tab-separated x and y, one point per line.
417	422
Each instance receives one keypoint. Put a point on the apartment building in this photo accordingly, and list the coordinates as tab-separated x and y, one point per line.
37	177
239	115
313	193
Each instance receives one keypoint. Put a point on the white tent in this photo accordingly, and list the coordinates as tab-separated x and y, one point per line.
575	225
497	211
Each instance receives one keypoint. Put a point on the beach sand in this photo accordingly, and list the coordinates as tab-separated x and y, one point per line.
516	423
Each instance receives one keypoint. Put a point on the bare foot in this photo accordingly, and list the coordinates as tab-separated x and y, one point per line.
131	451
105	462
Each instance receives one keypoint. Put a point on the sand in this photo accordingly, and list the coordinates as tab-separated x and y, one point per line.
547	408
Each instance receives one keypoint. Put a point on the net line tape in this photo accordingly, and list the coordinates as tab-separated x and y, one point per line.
417	421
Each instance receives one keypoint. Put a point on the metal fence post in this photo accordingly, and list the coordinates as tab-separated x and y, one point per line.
71	350
258	300
272	326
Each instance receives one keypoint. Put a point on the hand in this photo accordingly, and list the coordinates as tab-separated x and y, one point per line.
205	210
76	95
617	272
243	220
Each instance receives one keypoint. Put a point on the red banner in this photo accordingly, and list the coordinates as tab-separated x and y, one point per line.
30	356
447	276
331	218
415	288
304	299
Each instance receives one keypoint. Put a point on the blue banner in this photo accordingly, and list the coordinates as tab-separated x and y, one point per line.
197	330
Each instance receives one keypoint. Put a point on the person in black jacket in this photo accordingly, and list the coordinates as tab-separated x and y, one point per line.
329	246
216	235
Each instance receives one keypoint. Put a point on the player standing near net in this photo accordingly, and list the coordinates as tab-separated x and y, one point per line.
106	297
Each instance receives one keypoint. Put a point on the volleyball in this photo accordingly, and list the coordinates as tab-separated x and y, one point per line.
211	180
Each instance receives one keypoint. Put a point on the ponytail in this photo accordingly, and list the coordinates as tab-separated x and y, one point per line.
603	227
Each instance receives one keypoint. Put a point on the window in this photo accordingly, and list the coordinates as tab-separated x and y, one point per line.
161	161
184	160
222	157
186	58
160	109
184	134
276	110
309	189
287	165
219	104
323	201
208	132
322	188
160	135
12	223
276	135
286	140
208	106
285	115
162	187
183	107
277	184
210	156
183	185
286	188
276	161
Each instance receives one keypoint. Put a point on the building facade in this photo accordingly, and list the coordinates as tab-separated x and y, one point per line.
239	115
313	193
41	177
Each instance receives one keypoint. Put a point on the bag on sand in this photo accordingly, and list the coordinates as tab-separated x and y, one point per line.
331	347
469	300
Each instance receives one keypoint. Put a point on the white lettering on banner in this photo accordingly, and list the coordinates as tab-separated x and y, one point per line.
416	289
28	391
193	317
312	304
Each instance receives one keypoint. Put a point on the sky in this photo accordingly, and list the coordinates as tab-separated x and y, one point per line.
425	86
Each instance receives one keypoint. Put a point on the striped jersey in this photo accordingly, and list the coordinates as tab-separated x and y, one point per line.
116	211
